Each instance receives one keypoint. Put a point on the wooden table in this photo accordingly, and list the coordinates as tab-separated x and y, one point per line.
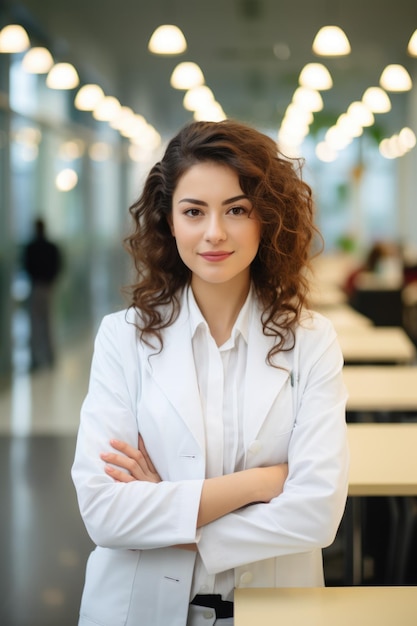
344	317
376	344
323	295
327	606
381	387
383	459
383	463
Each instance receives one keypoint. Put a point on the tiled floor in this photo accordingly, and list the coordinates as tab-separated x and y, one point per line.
43	543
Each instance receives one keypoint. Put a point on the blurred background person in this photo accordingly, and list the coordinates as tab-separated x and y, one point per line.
382	261
42	261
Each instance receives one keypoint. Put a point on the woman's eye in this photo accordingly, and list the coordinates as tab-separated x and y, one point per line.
238	210
192	212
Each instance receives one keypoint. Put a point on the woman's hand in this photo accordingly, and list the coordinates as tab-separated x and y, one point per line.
220	495
132	464
139	466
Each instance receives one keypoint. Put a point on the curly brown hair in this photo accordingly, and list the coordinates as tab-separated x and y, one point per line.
282	202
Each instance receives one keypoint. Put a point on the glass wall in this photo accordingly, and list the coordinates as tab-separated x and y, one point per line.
73	176
6	251
355	195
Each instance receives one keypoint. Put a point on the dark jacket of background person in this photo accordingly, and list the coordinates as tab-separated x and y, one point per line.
42	258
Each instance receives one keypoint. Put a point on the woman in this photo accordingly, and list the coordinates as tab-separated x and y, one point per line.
239	476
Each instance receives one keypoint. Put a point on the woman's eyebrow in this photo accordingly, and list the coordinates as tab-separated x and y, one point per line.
193	201
236	199
202	203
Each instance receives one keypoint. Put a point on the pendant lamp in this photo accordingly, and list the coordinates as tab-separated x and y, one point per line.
167	39
331	41
186	76
62	76
13	38
315	76
395	78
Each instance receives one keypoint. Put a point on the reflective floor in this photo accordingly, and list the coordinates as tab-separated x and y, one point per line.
43	543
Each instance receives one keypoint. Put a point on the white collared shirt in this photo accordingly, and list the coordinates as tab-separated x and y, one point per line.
221	375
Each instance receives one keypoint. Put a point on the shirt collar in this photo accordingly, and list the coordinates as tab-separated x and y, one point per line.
242	322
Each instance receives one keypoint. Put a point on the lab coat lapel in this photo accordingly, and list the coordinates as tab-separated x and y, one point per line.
173	371
263	382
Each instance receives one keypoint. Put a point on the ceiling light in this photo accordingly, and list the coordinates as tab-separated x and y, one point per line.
66	179
349	126
298	114
37	61
337	138
167	39
146	137
377	100
360	113
395	78
107	109
197	97
407	138
290	138
13	38
315	76
308	98
210	112
186	76
124	118
325	153
88	97
412	45
136	128
331	41
62	76
387	149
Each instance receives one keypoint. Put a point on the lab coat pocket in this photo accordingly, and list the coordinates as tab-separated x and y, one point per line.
269	448
109	580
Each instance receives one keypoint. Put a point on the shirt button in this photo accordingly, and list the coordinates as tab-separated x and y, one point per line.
255	446
208	614
246	578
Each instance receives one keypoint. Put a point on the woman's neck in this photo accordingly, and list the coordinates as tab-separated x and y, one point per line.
220	305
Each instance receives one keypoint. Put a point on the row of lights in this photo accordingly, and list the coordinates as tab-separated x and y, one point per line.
199	98
187	76
307	100
64	76
332	41
167	40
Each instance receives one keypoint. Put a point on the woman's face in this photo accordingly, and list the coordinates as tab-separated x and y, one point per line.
216	230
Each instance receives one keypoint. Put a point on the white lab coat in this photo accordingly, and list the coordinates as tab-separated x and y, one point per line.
293	413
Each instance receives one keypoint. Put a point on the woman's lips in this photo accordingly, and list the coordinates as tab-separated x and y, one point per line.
215	256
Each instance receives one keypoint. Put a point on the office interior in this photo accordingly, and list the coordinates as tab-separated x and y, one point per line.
80	174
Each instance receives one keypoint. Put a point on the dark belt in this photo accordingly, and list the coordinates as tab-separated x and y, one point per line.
223	608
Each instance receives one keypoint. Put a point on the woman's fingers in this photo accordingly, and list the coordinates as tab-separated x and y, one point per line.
123	462
134	463
134	455
118	474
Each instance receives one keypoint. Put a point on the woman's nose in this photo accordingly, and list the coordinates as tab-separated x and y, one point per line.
215	231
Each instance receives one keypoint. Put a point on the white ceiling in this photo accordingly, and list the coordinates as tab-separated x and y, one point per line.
233	42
